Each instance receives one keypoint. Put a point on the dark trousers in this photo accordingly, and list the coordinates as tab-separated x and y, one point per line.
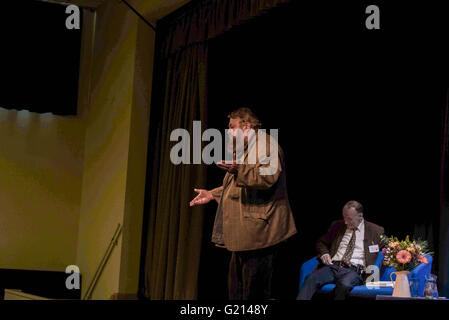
251	273
344	278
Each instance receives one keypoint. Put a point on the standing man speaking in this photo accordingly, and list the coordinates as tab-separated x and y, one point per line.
253	215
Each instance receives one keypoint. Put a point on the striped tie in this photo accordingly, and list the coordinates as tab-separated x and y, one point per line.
349	250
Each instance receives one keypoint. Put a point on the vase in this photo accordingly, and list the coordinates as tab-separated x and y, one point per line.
401	285
430	286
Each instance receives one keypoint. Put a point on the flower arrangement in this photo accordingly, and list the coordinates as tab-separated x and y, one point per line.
404	255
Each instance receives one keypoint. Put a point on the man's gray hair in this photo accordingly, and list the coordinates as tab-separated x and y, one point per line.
354	204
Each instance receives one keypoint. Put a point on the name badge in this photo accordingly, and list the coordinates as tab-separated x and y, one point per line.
374	248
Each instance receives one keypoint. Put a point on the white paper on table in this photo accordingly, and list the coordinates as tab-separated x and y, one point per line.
380	284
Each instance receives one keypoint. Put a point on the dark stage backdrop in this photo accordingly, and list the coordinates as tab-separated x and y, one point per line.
358	114
39	58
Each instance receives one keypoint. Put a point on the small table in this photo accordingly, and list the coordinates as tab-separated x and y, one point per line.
385	297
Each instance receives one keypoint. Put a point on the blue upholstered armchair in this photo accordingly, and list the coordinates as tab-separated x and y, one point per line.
363	291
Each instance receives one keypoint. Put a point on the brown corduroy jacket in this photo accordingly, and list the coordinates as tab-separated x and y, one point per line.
330	242
255	209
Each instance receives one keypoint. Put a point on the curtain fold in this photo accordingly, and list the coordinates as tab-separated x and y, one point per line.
173	229
443	258
208	19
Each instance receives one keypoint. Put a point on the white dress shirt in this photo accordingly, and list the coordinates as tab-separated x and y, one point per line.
358	256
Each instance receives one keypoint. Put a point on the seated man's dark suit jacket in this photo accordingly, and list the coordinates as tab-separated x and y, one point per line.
331	240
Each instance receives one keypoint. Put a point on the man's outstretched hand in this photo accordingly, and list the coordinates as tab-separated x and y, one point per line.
203	197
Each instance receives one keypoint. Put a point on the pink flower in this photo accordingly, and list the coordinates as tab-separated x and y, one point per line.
404	256
422	259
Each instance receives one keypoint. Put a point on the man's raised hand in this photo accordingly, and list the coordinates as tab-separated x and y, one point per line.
231	168
203	197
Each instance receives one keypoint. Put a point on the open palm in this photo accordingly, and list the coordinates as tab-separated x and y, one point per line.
203	197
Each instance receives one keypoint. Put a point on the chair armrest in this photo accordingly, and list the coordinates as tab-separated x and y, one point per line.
306	269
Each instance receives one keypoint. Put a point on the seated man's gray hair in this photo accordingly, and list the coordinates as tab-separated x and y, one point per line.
354	204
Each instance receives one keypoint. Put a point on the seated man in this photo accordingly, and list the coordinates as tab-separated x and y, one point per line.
353	245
